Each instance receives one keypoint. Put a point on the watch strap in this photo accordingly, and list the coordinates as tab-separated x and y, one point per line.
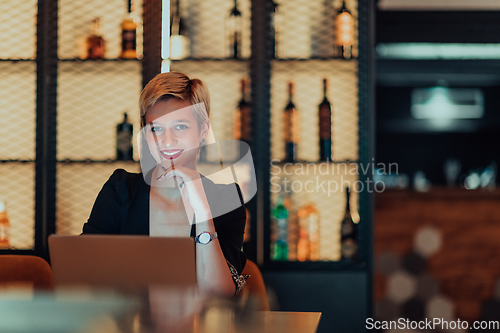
213	235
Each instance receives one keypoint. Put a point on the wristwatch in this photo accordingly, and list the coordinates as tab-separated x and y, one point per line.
205	237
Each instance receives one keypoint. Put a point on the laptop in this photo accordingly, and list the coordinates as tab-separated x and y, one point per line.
122	261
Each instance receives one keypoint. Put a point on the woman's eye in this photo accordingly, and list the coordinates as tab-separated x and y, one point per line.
181	127
156	129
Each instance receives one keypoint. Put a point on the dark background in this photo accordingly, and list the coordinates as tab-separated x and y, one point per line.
403	140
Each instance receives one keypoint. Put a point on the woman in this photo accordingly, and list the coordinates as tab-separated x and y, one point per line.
172	198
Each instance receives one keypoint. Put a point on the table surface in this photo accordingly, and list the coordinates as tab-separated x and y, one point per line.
290	322
111	314
261	322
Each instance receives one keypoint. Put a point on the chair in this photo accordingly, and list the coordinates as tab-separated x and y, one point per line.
31	269
255	288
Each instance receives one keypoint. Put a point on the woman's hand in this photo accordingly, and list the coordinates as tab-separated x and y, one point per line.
192	191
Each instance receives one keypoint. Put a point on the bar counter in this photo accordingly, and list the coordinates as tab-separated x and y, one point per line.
463	226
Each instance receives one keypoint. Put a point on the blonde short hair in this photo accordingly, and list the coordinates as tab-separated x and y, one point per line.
175	85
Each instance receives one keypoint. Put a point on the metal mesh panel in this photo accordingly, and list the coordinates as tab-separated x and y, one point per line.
17	106
75	19
307	33
222	79
18	42
92	96
77	187
206	26
325	189
307	30
17	184
17	120
308	79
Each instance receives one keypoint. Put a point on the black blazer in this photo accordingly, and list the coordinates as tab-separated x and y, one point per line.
122	207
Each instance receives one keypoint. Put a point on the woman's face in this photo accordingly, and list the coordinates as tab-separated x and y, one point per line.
173	134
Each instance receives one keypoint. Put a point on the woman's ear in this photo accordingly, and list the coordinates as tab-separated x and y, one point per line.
204	130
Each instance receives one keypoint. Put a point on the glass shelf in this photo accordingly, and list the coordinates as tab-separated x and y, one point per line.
213	66
98	60
274	59
209	59
313	65
17	60
17	161
316	59
90	161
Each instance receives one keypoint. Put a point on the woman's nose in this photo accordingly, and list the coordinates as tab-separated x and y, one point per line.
169	139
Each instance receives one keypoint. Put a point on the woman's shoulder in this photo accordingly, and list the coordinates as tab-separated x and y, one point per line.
122	177
125	182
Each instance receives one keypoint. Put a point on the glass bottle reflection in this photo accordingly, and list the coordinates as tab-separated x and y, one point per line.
344	32
234	27
279	246
95	42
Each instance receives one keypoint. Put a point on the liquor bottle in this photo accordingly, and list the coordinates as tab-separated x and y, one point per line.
293	226
279	246
234	28
308	245
291	127
348	232
95	42
241	125
276	28
179	36
4	227
325	127
344	32
124	133
130	25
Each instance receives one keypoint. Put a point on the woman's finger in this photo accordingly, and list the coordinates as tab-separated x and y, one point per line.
162	176
185	173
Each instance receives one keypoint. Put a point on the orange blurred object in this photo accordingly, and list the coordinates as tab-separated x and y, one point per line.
15	269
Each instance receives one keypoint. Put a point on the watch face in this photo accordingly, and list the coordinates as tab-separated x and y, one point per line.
204	238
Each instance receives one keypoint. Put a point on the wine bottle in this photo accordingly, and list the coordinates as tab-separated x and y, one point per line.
279	246
325	127
4	227
234	28
241	128
292	227
308	245
124	133
129	27
95	42
344	32
291	127
348	232
179	37
276	26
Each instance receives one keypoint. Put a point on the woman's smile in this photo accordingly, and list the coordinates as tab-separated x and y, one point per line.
171	154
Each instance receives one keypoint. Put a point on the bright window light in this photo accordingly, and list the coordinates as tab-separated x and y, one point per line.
165	29
443	104
429	51
165	66
439	5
